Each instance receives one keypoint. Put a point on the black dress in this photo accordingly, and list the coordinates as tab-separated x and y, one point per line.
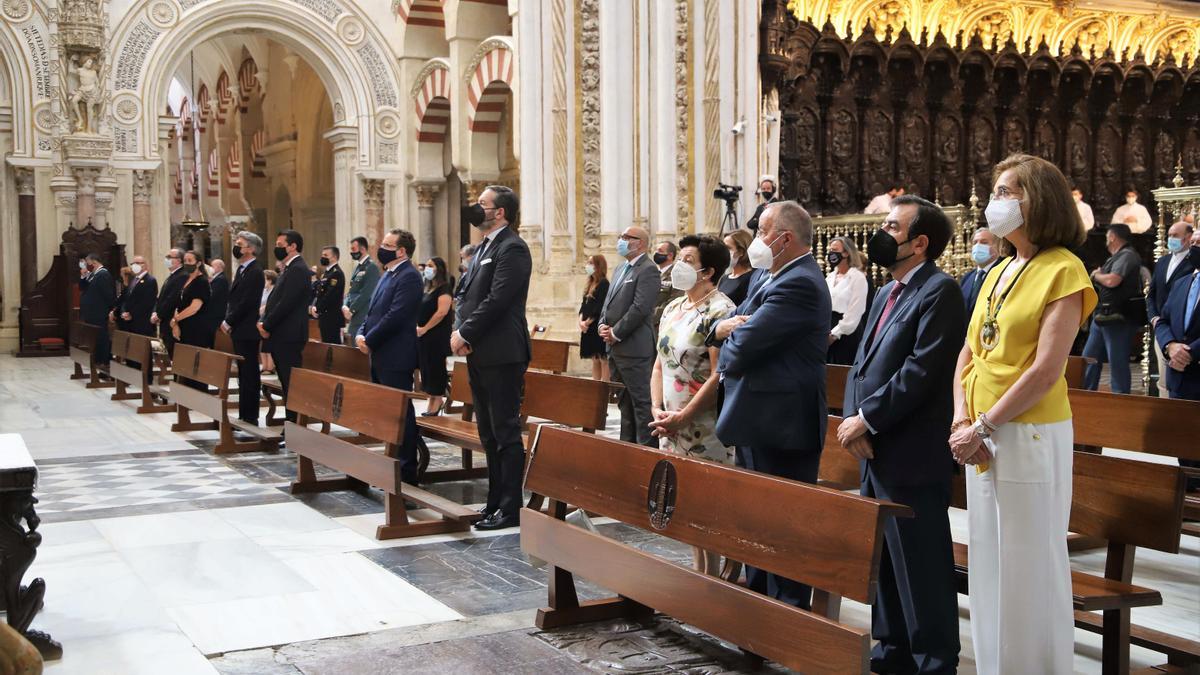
196	330
435	344
735	288
590	343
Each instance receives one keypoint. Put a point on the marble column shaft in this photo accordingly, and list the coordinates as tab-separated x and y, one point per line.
426	194
27	218
85	196
373	203
143	190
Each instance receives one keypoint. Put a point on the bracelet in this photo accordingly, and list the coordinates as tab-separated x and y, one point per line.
960	424
987	424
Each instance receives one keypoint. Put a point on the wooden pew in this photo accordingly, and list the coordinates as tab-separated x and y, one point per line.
837	553
129	349
322	357
371	410
561	399
82	351
213	368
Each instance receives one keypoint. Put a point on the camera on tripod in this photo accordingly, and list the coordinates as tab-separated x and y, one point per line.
728	193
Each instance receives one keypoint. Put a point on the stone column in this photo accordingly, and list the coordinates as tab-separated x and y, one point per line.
373	203
345	158
143	190
85	195
27	218
426	194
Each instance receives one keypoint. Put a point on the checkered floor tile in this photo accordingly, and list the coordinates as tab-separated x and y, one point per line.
86	486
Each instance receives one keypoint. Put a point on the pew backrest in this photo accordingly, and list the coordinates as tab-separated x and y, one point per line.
1135	423
336	360
83	335
207	366
551	355
371	409
838	468
128	346
573	401
760	520
1127	501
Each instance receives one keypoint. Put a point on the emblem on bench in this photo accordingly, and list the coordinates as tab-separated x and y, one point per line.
196	364
661	501
337	401
329	361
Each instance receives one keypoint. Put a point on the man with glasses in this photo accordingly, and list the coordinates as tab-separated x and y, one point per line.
626	326
168	299
492	333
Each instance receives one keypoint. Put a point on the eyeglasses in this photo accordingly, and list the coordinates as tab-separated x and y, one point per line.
1004	193
630	237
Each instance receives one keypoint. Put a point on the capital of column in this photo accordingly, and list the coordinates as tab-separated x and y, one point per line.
476	188
426	194
373	193
25	180
85	179
143	186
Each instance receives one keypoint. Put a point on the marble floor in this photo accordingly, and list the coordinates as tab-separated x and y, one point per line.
160	557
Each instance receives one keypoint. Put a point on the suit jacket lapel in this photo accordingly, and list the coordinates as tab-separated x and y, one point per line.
906	298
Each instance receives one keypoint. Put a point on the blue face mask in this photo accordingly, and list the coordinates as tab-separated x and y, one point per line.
623	247
1174	244
981	253
428	273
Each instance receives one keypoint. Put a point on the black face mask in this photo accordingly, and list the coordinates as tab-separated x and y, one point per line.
883	249
324	261
660	258
188	269
834	258
280	253
385	257
356	255
1194	256
237	252
474	215
766	195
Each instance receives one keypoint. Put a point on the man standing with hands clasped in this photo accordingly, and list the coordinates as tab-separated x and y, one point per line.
285	320
772	367
899	404
491	332
241	318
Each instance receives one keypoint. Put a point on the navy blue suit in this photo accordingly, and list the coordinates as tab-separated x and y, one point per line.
96	300
902	382
971	283
390	330
1161	285
772	396
1171	328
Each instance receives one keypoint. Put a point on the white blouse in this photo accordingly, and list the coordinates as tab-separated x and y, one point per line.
849	294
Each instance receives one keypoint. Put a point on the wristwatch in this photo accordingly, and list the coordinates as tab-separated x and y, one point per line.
981	429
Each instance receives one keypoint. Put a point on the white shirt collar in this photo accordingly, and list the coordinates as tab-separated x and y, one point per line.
788	266
289	260
908	277
491	236
639	257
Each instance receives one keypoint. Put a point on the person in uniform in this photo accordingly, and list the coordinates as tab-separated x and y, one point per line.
327	301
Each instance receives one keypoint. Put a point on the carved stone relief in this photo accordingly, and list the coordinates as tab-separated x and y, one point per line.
16	11
389	152
683	80
133	56
381	86
40	57
588	148
327	9
143	186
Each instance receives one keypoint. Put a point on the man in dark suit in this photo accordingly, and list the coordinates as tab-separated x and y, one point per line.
218	302
362	286
139	300
627	327
1172	267
898	407
772	368
769	193
168	299
285	318
1178	335
241	319
327	305
97	295
491	331
389	332
985	251
664	260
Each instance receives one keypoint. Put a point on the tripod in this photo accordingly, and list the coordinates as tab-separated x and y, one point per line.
729	222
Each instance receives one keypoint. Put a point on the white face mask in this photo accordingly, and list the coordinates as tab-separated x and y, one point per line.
137	269
684	276
1003	216
760	254
1131	200
590	269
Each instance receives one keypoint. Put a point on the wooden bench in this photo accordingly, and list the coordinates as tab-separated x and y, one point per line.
561	399
82	351
550	355
212	368
322	357
825	538
132	365
371	410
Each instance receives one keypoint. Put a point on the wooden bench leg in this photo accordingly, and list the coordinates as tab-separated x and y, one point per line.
184	422
1115	657
396	523
123	393
307	482
151	405
828	605
79	374
273	420
229	445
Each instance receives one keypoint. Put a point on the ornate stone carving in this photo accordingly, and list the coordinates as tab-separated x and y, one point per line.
327	9
587	149
995	29
683	112
389	152
373	193
125	139
1092	38
16	11
44	118
188	4
480	52
381	84
888	14
426	194
25	180
712	110
88	147
387	123
163	14
133	56
143	186
558	111
351	30
84	94
81	25
40	59
85	180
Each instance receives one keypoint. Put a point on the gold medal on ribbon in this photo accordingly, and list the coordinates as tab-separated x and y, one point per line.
989	335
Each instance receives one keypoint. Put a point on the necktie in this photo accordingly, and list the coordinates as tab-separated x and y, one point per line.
1192	296
887	308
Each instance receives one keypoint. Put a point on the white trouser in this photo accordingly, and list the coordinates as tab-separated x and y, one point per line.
1022	618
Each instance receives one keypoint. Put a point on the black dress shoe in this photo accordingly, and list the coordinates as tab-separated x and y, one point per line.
486	512
498	521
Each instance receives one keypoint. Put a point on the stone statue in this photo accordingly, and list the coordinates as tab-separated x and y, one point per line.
85	95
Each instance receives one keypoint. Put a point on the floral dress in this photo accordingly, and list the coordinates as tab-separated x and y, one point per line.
686	366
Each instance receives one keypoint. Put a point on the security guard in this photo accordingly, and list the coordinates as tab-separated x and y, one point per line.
327	305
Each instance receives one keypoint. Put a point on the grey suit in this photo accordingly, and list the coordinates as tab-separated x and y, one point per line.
629	311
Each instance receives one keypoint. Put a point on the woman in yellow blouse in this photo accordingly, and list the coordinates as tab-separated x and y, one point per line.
1013	423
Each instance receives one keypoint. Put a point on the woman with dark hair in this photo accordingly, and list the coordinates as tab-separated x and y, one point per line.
848	291
683	387
433	333
1013	423
735	283
189	326
591	345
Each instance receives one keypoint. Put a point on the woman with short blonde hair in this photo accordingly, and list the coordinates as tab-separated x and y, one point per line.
1013	423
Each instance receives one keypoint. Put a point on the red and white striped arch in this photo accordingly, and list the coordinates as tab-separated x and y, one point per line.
432	105
214	173
422	13
233	175
257	143
202	99
223	96
489	89
247	82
